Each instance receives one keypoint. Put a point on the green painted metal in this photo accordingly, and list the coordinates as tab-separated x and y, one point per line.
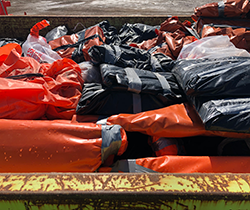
124	191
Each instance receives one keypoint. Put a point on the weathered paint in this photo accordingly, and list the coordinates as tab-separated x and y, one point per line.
124	191
19	26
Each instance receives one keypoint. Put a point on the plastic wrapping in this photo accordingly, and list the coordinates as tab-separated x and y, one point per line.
226	8
230	115
37	47
181	164
52	93
122	56
100	100
142	81
217	78
76	46
136	33
167	146
90	73
218	89
211	47
169	44
176	121
55	33
4	41
57	146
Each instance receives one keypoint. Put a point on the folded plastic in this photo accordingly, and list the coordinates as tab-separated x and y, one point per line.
217	78
120	55
98	99
226	8
181	164
175	121
142	81
57	146
52	92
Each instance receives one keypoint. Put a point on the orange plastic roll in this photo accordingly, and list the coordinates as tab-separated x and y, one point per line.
176	121
196	164
181	164
172	121
57	146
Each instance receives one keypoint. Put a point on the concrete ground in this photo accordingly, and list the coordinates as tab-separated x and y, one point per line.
105	7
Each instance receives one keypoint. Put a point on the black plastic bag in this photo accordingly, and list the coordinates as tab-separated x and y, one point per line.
57	32
219	91
136	33
100	100
161	63
110	32
4	41
123	56
142	81
220	78
231	115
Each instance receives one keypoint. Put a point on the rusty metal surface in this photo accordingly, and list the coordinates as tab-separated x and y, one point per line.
19	26
124	191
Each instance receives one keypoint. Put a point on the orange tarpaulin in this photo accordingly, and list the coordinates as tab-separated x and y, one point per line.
181	164
226	8
57	146
54	94
176	121
196	164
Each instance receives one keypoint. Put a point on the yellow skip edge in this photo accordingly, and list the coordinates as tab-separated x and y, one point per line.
125	182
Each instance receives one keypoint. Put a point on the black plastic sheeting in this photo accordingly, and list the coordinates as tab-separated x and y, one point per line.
225	114
224	77
136	33
118	78
57	32
122	55
129	90
98	99
4	41
219	90
128	56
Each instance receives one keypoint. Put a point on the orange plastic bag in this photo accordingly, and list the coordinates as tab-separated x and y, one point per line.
226	8
196	164
169	44
53	94
176	121
71	46
181	164
172	121
57	146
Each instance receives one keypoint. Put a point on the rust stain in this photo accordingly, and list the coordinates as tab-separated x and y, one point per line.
125	183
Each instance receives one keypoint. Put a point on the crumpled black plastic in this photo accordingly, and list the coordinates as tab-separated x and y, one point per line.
100	100
231	115
136	33
4	41
122	55
220	78
56	32
161	63
116	78
109	31
219	91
